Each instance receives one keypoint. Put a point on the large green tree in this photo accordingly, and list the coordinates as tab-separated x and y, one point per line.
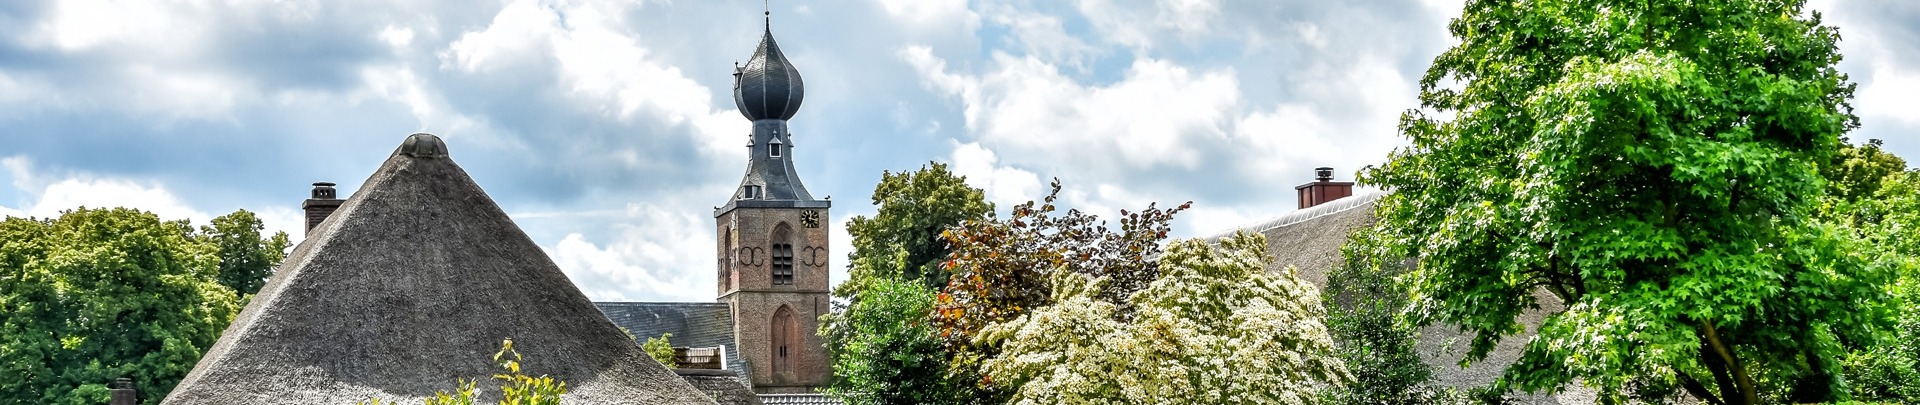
884	350
98	294
1652	164
246	259
1876	198
913	208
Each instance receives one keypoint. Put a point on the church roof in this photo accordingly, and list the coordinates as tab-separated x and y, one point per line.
768	87
693	324
410	286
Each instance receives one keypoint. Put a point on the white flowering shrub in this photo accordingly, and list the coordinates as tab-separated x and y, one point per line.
1215	328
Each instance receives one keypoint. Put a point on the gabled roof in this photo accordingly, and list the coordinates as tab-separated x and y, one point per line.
410	286
693	324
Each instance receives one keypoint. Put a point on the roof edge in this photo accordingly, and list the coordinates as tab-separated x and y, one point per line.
1343	204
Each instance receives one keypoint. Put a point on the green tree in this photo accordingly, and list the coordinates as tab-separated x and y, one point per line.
1215	328
1364	307
660	348
889	354
99	294
913	209
878	334
246	259
1873	195
1652	165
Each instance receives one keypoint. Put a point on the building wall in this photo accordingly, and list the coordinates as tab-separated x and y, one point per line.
747	285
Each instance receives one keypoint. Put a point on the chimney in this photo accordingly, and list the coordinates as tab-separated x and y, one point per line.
321	205
121	392
1323	188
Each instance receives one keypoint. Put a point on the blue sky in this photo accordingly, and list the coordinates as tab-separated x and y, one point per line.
607	130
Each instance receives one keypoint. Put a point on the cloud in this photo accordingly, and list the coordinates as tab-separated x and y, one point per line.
49	196
1003	186
655	253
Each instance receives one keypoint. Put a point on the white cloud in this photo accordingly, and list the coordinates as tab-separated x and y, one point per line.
655	253
602	63
1141	27
1004	186
1029	111
1890	94
932	15
51	196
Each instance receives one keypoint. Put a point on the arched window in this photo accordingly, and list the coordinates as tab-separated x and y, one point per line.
726	260
783	339
782	255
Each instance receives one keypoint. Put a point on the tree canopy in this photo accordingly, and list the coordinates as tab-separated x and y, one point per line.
1215	328
883	346
1653	166
98	294
246	259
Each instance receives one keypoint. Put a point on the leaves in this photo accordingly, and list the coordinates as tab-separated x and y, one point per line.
99	294
1650	165
1215	328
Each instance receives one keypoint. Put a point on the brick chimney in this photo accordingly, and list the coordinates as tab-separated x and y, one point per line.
321	205
1323	188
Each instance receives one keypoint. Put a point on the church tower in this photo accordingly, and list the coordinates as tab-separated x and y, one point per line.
773	238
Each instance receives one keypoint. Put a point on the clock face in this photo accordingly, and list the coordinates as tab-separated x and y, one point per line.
810	218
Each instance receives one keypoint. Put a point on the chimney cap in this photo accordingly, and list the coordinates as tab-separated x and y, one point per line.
1323	173
323	184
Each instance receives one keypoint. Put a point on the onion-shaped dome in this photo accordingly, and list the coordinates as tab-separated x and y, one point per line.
768	87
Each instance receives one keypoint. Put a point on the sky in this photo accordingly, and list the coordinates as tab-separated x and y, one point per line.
607	129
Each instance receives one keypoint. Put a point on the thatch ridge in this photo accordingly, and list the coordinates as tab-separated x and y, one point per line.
408	287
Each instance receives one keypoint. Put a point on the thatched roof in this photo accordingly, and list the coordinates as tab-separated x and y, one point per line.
408	287
1310	240
724	386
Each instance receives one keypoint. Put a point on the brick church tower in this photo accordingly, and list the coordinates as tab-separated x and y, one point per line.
773	238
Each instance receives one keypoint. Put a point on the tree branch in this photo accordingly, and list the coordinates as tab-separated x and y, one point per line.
1743	382
1698	390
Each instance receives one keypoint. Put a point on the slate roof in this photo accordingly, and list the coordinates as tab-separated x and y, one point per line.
693	324
410	286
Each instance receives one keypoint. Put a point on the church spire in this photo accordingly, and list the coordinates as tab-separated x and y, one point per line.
768	91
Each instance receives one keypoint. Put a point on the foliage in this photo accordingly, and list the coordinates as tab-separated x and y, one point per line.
1884	219
660	348
883	351
515	388
99	294
1215	328
891	355
1364	306
1001	267
913	209
1858	171
1650	164
246	259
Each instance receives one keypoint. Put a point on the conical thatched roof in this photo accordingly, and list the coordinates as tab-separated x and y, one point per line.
409	286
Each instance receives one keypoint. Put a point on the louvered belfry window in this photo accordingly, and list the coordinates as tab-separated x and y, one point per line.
782	255
782	264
